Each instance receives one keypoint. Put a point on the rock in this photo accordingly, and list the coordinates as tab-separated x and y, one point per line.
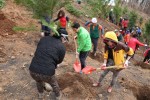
25	65
1	70
100	95
13	57
48	87
26	34
32	54
125	90
1	90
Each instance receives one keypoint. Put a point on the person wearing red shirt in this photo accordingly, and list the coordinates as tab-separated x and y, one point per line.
62	22
133	42
127	37
147	56
125	24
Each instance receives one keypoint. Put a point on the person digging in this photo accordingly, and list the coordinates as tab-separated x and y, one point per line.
84	44
49	53
113	56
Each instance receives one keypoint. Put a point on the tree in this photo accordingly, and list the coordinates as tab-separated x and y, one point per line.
117	11
132	18
40	7
2	3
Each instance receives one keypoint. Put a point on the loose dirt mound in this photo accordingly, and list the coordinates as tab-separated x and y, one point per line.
77	86
143	65
141	92
6	26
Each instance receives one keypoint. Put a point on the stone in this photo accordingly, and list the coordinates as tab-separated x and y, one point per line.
25	65
32	54
125	90
13	57
100	95
1	90
1	70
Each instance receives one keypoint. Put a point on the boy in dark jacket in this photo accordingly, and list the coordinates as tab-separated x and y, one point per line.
50	52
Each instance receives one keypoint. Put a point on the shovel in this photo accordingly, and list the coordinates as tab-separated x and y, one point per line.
76	65
89	69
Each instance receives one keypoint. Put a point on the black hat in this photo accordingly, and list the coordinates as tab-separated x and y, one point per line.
75	25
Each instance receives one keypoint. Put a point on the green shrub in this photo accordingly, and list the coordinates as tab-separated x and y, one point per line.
141	21
2	3
100	8
132	18
73	10
40	7
147	28
24	29
125	11
117	11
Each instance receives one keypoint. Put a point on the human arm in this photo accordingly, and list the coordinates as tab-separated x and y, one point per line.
56	19
88	23
130	53
102	30
139	43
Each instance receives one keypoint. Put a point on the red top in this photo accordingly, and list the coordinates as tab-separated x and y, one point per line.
145	53
133	42
63	22
125	23
127	38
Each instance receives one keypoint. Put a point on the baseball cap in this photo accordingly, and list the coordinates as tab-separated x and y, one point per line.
94	20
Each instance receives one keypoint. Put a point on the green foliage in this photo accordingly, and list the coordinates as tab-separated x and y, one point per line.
132	18
100	7
40	7
125	11
147	28
73	10
2	3
117	11
24	29
141	21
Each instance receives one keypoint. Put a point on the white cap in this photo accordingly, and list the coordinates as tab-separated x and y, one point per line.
94	20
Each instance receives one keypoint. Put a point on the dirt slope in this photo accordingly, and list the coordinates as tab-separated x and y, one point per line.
16	52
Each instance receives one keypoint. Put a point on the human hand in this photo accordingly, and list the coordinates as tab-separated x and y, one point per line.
126	64
75	37
103	67
145	45
42	34
102	36
77	54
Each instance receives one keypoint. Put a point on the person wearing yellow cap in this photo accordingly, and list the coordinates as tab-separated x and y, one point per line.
114	56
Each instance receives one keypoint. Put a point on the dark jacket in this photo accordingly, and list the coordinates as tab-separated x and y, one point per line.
50	52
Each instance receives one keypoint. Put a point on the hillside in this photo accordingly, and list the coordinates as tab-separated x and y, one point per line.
17	50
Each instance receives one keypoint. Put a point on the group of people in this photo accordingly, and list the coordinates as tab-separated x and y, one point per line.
51	51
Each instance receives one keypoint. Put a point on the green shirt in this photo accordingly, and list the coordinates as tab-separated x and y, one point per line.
83	40
94	33
120	37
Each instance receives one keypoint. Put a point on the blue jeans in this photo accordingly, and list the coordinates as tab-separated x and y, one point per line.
82	56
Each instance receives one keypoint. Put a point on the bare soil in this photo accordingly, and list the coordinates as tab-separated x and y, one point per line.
16	52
